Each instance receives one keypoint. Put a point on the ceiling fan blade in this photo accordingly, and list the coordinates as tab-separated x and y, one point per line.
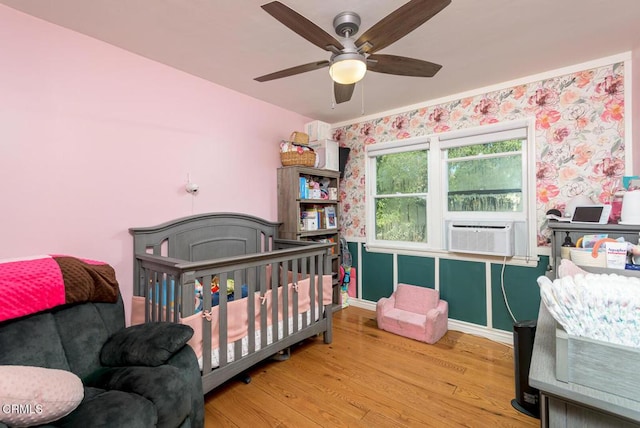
399	23
342	92
403	66
293	71
301	25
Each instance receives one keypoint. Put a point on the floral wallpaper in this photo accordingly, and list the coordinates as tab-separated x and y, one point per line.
579	138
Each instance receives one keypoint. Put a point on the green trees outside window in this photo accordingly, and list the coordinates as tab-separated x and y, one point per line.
479	178
485	177
401	196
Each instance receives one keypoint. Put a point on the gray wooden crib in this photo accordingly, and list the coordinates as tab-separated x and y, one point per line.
264	295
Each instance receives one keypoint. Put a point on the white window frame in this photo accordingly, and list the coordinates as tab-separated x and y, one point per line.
372	152
437	209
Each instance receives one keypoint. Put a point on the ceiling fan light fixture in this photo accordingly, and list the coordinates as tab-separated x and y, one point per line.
348	68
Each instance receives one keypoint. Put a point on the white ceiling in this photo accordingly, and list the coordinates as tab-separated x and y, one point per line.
230	42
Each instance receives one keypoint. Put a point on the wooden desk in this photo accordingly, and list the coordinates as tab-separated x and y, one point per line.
568	404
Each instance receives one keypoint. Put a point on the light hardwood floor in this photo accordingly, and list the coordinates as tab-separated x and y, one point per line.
371	378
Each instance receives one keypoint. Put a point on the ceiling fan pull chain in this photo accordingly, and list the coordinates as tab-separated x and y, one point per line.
332	95
362	97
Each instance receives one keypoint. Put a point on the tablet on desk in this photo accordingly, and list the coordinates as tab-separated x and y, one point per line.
591	214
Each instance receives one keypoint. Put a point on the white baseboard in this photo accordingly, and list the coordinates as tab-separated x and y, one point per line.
364	304
482	331
462	326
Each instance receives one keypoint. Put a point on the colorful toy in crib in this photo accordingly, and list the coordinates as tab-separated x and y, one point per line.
215	285
215	293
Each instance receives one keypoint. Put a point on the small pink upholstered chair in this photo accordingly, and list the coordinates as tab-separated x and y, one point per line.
414	312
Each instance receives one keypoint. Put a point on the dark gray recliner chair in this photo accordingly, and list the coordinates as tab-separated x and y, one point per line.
141	376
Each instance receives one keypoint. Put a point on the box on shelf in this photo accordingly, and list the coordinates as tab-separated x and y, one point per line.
327	154
315	193
317	130
333	193
599	365
310	219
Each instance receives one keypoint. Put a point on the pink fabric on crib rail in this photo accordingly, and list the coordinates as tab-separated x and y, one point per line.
304	296
237	314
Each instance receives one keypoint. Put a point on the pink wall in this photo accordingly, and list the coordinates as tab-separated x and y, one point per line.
635	117
94	140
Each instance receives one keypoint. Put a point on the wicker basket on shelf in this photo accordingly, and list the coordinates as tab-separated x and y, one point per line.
299	138
291	158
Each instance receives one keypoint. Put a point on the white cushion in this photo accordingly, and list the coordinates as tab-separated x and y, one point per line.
37	395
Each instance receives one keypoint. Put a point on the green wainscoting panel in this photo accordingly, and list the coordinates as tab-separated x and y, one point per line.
353	249
522	292
417	271
377	275
463	286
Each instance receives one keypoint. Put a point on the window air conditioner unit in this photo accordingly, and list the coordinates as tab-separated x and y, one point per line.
489	238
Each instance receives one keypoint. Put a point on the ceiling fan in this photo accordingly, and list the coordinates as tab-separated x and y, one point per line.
351	58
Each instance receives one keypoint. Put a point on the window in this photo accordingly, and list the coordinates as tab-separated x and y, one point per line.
485	177
401	196
416	187
486	173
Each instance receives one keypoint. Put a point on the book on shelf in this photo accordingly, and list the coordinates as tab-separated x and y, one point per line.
320	215
330	217
303	188
310	188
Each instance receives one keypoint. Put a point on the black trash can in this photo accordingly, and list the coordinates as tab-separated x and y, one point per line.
527	398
